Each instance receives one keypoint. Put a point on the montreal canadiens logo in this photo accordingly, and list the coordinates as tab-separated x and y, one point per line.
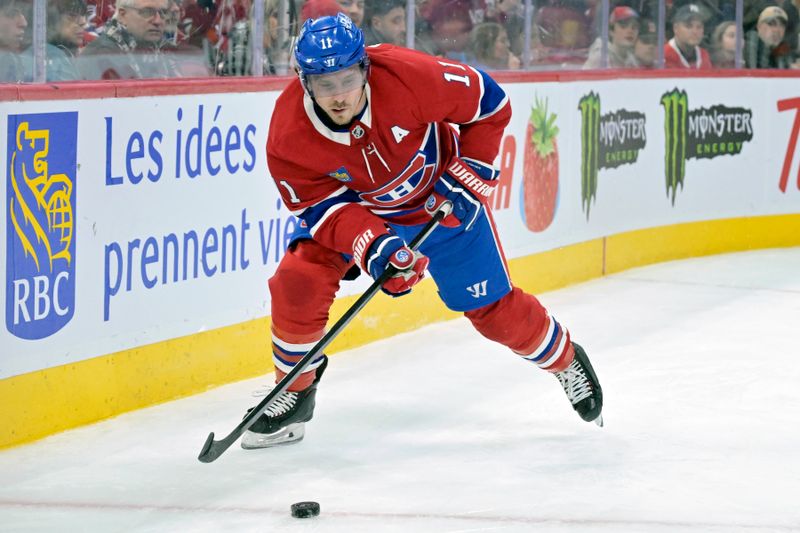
412	181
402	256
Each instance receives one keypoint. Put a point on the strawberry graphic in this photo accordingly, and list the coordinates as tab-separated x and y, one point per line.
540	168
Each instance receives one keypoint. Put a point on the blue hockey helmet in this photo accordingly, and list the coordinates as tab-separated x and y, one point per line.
327	45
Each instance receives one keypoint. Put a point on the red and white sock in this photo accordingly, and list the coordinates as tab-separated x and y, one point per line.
554	351
287	350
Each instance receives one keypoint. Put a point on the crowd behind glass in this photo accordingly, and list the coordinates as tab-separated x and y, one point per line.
65	40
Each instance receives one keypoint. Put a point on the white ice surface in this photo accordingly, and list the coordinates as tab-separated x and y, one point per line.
440	430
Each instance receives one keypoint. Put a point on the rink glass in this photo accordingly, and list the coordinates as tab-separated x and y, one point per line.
254	37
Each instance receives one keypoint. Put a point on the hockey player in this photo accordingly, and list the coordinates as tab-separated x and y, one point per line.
356	146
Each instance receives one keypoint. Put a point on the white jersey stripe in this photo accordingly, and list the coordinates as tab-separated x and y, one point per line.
327	215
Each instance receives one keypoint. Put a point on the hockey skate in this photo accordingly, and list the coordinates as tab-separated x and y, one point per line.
283	422
582	387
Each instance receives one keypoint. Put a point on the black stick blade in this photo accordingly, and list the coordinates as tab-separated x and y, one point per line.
208	455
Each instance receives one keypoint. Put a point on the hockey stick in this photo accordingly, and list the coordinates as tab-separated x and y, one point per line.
212	449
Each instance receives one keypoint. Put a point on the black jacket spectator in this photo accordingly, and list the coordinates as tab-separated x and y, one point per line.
765	46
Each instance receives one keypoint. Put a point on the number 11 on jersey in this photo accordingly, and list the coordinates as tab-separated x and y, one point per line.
449	76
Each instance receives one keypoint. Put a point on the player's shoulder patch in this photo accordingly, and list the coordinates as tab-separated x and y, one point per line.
341	174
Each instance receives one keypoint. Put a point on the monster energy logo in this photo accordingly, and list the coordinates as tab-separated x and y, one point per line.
607	141
676	111
589	106
704	133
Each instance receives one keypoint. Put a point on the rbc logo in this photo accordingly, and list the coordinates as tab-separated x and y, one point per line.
40	236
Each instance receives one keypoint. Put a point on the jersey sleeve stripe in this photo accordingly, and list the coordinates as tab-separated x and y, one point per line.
324	215
315	214
493	97
481	84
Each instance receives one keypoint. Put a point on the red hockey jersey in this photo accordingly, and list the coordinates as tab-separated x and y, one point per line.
674	59
383	166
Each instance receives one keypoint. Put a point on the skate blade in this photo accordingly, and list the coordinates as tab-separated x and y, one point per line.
599	420
288	435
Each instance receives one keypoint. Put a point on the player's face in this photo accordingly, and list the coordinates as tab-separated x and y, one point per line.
340	94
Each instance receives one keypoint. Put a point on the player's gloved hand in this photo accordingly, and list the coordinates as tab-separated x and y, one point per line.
469	185
389	249
434	203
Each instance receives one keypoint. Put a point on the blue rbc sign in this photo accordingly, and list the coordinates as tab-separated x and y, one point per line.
40	217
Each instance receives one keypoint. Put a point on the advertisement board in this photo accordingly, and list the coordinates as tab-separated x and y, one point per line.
130	221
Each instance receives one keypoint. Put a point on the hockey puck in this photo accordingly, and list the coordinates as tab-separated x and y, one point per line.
305	509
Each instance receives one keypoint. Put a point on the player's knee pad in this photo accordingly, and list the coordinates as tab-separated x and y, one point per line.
304	285
302	291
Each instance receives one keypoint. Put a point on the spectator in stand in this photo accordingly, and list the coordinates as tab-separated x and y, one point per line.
235	59
723	45
714	12
684	50
314	9
385	22
491	48
233	53
451	22
646	48
172	33
511	14
12	36
98	12
622	34
66	20
423	39
198	21
762	47
475	10
792	24
563	33
130	45
184	59
353	9
276	42
228	36
752	12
